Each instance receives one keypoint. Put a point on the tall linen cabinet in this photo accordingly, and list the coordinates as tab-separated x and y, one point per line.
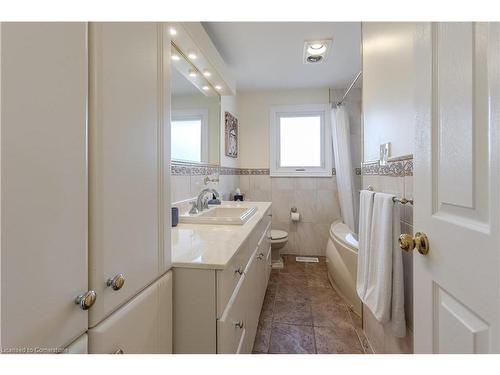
85	158
129	153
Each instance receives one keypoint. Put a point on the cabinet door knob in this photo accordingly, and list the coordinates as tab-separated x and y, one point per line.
261	255
119	351
116	282
239	270
239	324
85	301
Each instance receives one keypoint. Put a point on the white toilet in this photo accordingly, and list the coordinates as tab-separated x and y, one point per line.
279	238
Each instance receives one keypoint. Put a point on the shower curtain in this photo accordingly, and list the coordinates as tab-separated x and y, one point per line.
343	166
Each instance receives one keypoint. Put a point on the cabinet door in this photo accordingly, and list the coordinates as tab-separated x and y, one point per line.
44	184
127	161
142	326
252	290
79	346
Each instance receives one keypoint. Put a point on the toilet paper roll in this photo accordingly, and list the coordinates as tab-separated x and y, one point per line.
295	216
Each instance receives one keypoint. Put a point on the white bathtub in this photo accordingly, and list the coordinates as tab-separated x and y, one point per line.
342	262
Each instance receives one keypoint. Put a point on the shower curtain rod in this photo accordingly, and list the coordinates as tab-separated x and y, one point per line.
350	87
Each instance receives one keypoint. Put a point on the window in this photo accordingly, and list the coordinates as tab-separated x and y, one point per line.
189	140
301	142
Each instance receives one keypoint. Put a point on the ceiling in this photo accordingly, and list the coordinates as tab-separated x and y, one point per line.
268	55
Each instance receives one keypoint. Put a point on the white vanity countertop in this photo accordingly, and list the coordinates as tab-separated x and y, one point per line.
212	246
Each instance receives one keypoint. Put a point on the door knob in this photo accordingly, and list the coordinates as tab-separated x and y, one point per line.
116	282
407	242
85	301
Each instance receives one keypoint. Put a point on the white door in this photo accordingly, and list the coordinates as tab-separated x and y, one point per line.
129	153
43	184
456	189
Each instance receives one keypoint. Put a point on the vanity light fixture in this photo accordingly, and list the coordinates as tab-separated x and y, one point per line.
192	56
175	57
172	31
316	51
207	73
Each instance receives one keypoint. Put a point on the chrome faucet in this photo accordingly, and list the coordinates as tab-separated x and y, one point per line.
201	204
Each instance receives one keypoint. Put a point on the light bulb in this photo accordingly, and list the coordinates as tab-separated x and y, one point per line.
218	87
173	31
192	73
206	88
207	73
316	49
175	58
192	55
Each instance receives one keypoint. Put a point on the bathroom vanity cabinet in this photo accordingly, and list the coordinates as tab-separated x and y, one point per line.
217	308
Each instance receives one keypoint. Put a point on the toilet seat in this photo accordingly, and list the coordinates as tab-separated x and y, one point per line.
277	235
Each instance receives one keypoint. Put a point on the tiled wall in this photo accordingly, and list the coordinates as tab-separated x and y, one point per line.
316	199
187	180
395	178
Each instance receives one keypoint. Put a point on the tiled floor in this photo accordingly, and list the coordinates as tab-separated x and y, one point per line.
302	313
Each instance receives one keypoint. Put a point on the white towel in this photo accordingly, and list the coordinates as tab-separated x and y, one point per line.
365	226
384	294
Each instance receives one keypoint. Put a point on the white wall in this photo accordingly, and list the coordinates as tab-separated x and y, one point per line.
388	83
389	80
253	118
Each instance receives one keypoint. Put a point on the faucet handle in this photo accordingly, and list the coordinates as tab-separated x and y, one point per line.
194	209
205	203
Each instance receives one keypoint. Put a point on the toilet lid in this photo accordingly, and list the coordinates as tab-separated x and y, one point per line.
278	234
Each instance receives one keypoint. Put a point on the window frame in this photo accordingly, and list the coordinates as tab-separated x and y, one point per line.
195	114
276	113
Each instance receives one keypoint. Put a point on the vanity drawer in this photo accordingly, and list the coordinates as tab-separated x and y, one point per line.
228	278
231	328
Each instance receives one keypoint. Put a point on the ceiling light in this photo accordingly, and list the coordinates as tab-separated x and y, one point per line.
207	73
316	49
192	56
175	57
173	31
192	73
206	88
218	87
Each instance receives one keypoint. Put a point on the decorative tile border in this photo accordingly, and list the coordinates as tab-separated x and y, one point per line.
251	171
192	169
397	167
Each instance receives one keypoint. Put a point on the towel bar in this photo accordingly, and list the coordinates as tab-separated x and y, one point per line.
394	199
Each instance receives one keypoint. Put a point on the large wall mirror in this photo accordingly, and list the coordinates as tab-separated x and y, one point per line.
195	114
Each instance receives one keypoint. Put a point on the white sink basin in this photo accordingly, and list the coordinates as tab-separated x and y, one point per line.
220	215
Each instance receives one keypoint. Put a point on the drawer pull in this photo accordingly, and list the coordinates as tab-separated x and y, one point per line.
116	282
261	255
239	324
119	351
85	301
239	270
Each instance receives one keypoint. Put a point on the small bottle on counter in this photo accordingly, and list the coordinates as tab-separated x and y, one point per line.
238	196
